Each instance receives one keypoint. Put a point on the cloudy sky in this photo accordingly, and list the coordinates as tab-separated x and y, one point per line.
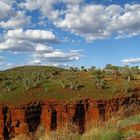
69	32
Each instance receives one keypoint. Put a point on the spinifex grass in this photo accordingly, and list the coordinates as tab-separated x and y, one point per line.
109	130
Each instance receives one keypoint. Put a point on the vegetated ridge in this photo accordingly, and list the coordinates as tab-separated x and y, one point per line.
31	96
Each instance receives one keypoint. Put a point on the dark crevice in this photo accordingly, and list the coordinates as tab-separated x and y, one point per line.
117	105
66	108
79	118
101	107
126	101
53	119
87	104
18	122
32	117
5	128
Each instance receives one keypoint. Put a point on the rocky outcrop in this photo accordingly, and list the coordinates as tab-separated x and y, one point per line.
52	114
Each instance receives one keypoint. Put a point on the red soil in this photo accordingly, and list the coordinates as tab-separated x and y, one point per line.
52	114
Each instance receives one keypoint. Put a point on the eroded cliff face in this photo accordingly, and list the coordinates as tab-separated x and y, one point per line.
53	114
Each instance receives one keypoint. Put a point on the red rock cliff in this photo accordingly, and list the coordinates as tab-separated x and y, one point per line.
53	114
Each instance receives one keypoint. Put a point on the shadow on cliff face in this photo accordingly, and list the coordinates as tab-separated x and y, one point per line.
53	119
5	128
79	117
101	107
32	117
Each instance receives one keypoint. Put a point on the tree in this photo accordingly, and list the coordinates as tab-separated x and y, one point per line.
72	69
112	69
7	84
99	79
135	70
97	72
93	68
108	66
73	83
63	84
82	68
35	80
51	75
101	83
128	74
26	83
70	82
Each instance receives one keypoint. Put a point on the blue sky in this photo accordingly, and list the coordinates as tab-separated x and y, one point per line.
69	32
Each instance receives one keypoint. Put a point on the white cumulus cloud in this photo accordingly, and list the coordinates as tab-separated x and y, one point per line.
91	21
17	21
55	57
6	9
12	17
28	40
99	22
131	61
37	43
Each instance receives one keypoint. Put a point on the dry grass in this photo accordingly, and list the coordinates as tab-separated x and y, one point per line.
21	137
109	130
